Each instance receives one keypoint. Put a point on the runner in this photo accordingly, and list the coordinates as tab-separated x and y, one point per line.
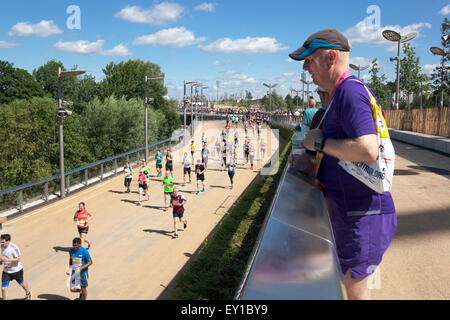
224	136
200	171
79	261
168	188
12	267
259	129
146	169
142	186
204	139
186	167
205	155
246	150
262	147
128	172
231	169
251	154
177	201
192	150
218	148
224	155
227	128
169	163
236	137
235	151
82	217
159	159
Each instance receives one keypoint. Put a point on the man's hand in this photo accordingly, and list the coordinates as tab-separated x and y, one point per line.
4	259
311	137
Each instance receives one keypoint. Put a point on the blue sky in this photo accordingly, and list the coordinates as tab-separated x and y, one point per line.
241	44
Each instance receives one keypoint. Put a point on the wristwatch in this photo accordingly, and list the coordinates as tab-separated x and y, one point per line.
319	143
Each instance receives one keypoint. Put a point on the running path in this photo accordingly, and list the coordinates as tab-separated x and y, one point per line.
133	251
417	263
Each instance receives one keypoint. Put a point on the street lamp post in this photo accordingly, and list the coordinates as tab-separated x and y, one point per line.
61	114
307	88
201	89
147	80
358	68
441	52
396	37
185	102
270	86
196	85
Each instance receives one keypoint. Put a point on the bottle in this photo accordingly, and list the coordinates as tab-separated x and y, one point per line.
297	141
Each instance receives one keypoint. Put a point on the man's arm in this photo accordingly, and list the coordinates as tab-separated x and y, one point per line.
5	259
361	149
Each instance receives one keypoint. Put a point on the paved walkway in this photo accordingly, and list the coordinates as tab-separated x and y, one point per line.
134	254
417	264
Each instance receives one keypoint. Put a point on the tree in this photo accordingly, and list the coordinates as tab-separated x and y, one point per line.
47	77
16	83
377	83
410	76
438	78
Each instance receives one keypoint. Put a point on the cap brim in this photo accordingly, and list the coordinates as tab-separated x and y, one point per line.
301	53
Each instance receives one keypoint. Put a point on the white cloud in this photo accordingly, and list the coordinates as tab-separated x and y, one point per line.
208	7
159	15
248	46
91	48
289	75
365	32
445	10
7	45
361	61
236	75
173	37
42	29
429	68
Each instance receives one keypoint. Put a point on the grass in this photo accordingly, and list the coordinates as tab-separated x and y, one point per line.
218	269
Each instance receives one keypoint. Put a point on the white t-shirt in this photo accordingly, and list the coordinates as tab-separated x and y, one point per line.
11	252
187	162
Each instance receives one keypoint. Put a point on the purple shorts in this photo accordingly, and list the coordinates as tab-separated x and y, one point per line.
361	240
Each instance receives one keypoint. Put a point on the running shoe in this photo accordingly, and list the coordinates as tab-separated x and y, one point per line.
28	296
185	224
89	244
197	192
175	235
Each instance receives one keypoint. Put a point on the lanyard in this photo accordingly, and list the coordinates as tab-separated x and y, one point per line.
343	77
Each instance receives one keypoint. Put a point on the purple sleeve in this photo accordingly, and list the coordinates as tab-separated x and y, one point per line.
356	114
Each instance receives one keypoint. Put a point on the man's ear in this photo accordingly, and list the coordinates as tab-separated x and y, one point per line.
332	57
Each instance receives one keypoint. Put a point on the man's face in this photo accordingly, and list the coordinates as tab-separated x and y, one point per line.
76	246
317	67
5	243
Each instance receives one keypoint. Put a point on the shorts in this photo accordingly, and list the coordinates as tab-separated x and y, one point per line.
361	241
169	167
192	152
201	177
187	170
159	166
83	279
168	192
83	230
178	214
127	182
7	277
143	186
205	159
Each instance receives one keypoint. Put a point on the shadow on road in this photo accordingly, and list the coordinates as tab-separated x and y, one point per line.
401	172
63	249
49	296
163	232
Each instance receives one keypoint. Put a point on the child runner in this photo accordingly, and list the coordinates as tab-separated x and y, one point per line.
168	188
82	217
192	150
205	155
79	261
159	160
142	186
127	170
186	167
177	201
200	171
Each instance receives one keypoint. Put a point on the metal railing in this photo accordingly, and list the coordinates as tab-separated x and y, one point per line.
45	190
294	257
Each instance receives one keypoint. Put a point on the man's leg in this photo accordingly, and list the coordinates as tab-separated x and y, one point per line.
357	289
83	293
4	293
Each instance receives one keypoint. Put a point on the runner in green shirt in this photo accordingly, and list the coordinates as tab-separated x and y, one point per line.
168	188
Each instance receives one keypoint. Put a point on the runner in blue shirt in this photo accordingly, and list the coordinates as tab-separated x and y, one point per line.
80	260
159	160
231	170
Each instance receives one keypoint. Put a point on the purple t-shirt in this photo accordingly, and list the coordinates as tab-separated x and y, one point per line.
350	116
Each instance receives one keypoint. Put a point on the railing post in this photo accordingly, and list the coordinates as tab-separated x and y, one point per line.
115	166
138	158
21	200
101	172
68	184
86	177
46	192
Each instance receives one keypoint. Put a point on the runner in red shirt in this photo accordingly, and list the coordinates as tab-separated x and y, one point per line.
82	217
143	186
177	201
